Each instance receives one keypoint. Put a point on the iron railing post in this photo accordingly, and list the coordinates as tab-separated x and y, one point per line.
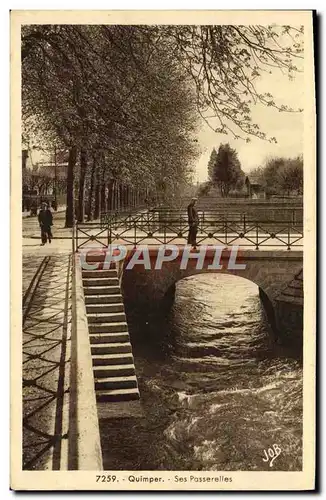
109	233
73	238
225	230
77	237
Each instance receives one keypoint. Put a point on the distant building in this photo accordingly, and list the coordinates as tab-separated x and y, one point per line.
56	165
50	170
43	180
254	187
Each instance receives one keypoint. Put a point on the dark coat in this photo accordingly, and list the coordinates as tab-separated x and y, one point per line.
192	215
45	218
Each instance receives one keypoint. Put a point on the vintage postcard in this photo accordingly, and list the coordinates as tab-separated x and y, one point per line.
163	280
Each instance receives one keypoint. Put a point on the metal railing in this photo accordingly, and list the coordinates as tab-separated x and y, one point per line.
295	214
154	228
115	215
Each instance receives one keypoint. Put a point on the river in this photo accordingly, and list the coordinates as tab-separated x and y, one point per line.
215	389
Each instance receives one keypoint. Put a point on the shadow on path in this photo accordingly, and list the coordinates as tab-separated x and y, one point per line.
46	364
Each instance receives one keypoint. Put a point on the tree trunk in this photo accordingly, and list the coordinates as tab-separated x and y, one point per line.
117	192
97	195
81	191
123	191
90	212
110	196
103	195
122	198
113	196
126	193
70	186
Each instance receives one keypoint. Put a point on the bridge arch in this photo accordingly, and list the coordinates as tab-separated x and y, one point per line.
268	305
270	271
150	290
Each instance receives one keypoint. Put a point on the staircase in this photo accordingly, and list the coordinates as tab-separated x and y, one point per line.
293	292
113	363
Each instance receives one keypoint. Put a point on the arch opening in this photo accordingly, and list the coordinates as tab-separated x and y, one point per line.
248	287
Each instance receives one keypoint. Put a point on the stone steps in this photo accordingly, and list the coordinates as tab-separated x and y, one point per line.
107	338
126	382
106	317
111	298
111	348
100	273
112	359
91	282
104	308
101	290
293	292
114	370
117	395
113	364
108	327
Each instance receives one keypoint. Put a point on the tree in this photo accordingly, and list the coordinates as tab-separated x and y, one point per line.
291	176
224	63
227	171
281	175
204	189
211	164
102	92
129	95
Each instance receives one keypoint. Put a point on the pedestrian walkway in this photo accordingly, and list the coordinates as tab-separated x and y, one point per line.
46	359
31	227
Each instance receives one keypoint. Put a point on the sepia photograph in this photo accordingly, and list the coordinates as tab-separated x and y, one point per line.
163	187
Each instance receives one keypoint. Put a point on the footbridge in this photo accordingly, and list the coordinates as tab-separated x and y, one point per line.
103	375
269	253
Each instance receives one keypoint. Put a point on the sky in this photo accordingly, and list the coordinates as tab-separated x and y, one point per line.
286	127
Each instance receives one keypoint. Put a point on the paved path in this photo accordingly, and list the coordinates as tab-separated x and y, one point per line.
46	358
31	228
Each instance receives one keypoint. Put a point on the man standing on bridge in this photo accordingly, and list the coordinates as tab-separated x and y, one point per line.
193	221
45	221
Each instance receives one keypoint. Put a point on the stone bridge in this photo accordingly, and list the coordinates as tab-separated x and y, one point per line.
278	274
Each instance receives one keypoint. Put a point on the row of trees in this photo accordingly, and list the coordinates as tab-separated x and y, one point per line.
126	117
124	101
281	176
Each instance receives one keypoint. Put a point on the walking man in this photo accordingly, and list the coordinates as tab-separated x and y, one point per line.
45	221
193	221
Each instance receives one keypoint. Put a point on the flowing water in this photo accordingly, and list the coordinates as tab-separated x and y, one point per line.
215	389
